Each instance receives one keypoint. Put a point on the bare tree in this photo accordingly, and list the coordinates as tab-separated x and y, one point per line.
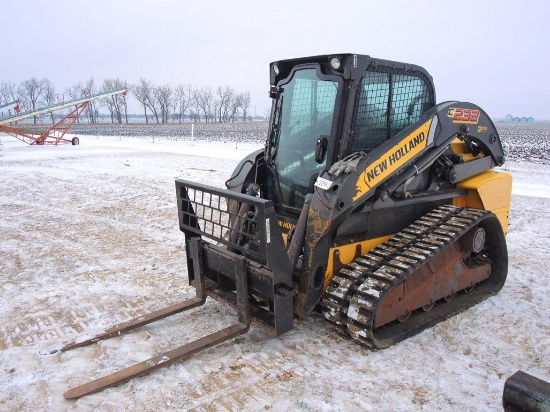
244	101
163	96
197	104
203	98
182	99
8	93
111	104
194	115
226	95
90	89
234	107
31	91
143	91
50	97
74	92
215	109
116	104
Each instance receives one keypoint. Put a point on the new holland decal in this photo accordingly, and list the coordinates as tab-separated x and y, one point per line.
393	159
286	225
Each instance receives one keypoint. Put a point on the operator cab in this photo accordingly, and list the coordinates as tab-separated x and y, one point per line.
327	107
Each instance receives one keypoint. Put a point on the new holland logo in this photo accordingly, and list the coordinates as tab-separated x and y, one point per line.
393	159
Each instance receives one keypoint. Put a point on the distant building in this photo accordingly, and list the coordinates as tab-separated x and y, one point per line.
511	118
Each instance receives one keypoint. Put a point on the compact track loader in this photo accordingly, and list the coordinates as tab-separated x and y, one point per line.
369	203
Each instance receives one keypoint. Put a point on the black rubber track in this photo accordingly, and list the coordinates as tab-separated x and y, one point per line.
352	298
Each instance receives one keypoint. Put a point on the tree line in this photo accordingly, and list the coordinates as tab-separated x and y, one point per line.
160	103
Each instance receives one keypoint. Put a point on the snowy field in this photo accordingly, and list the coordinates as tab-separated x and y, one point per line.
89	237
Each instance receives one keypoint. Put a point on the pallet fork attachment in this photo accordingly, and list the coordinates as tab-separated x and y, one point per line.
236	255
177	354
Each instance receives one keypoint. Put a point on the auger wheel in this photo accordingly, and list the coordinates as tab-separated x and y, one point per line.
445	262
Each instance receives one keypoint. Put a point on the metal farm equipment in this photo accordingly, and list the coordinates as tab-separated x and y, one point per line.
54	134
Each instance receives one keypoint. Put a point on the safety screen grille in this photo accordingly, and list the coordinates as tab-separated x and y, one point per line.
371	124
387	103
410	98
220	218
312	100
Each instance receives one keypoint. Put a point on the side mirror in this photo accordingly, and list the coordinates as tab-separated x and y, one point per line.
321	149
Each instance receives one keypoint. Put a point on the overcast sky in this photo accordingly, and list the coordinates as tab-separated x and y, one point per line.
493	53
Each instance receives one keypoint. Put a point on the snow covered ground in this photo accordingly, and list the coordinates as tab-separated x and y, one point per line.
89	237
